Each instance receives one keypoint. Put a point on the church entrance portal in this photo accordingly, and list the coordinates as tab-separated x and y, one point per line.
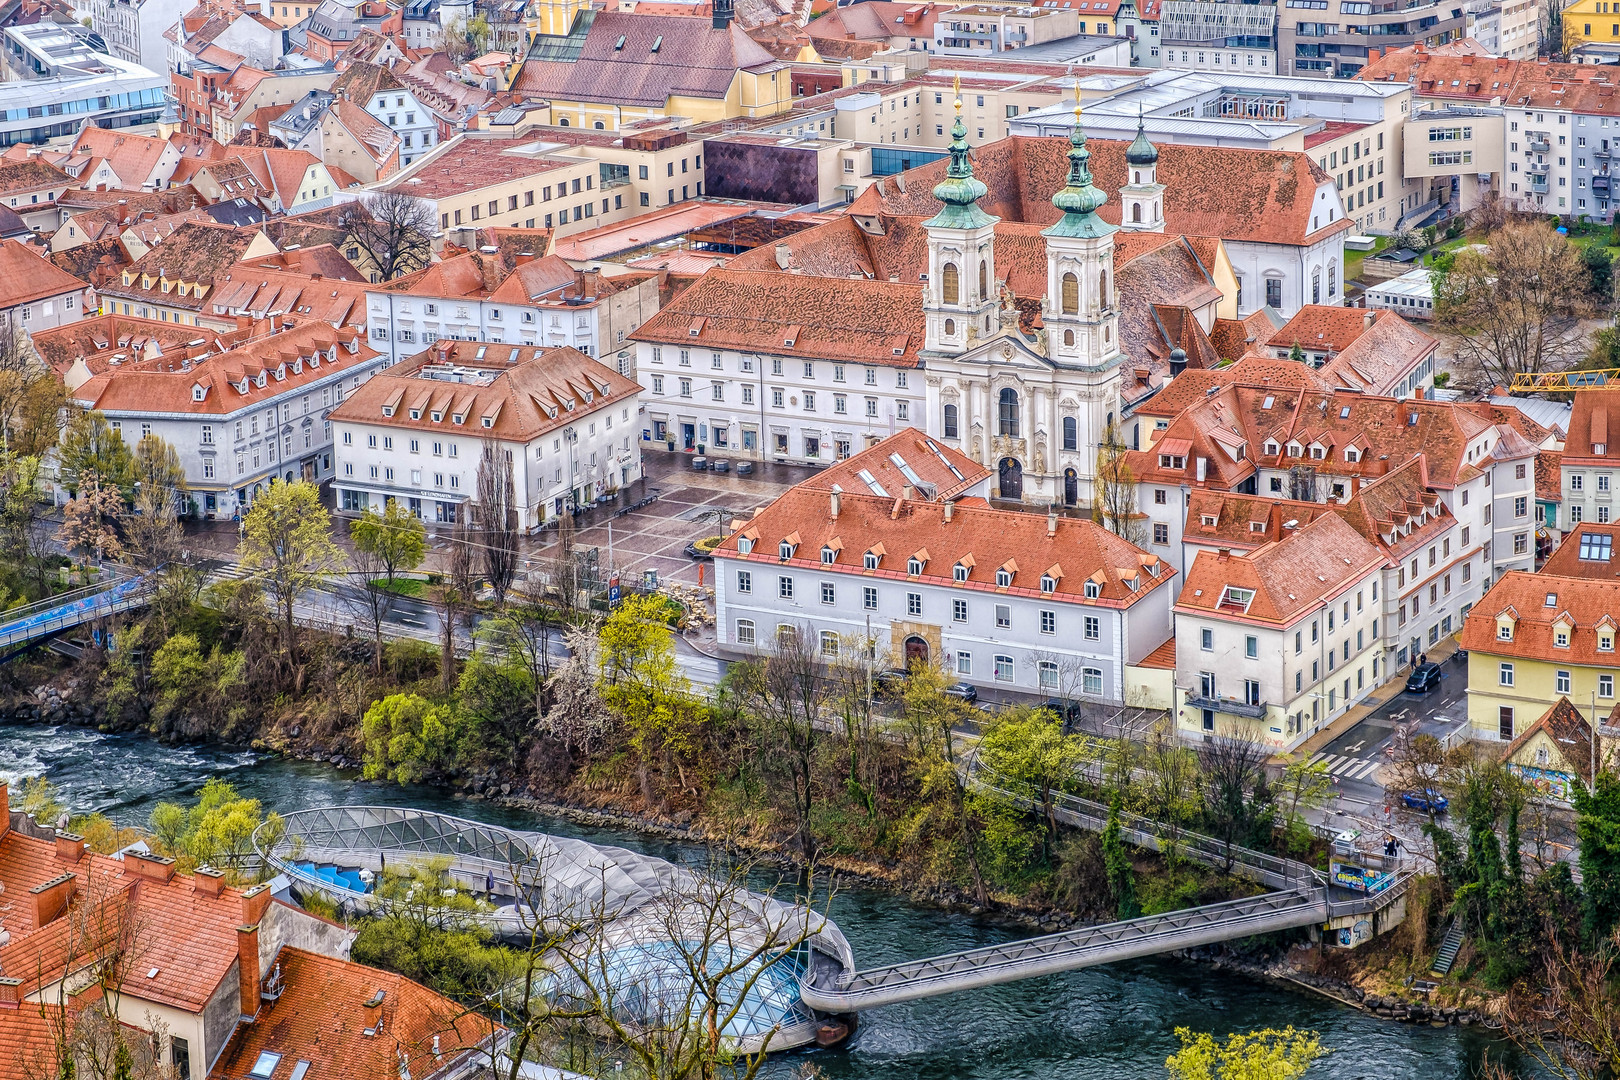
1011	481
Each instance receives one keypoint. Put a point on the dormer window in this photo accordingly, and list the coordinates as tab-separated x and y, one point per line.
870	560
1048	584
1236	600
1271	446
1294	449
1352	455
1605	643
1093	590
784	550
914	566
1600	449
438	417
959	572
745	545
457	418
489	421
828	556
416	414
1206	519
1561	638
388	410
198	393
1004	578
1504	631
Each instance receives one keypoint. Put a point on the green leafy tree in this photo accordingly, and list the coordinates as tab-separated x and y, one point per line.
1256	1055
1600	269
1597	828
157	469
1028	751
198	692
408	738
639	681
287	547
217	831
394	536
1117	863
1303	786
91	448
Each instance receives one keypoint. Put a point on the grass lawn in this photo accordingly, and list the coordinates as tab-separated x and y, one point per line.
1354	259
414	587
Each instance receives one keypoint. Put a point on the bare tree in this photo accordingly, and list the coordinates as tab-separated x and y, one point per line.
495	519
850	679
1517	305
394	229
1571	1023
1237	794
1168	785
154	532
1114	502
785	692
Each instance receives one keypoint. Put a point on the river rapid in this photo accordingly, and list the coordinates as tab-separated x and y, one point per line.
1107	1023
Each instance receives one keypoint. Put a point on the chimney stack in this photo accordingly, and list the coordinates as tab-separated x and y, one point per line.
372	1009
10	993
51	898
1051	521
833	502
69	847
247	957
950	508
151	867
207	881
722	14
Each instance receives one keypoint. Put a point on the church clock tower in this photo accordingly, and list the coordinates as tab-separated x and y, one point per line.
960	302
1142	197
1081	313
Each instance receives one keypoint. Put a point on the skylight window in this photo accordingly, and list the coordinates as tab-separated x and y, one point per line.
266	1065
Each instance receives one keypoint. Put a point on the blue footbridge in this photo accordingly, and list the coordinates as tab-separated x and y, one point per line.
799	983
24	628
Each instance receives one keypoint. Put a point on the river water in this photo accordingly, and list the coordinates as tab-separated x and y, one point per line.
1108	1023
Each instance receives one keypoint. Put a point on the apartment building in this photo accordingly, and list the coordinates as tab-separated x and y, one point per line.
34	293
1209	35
1534	638
242	418
1274	643
885	562
1455	151
56	81
487	296
1336	38
419	432
990	29
553	180
1590	463
1370	351
751	362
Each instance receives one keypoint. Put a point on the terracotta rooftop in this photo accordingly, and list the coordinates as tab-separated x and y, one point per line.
1534	602
523	392
1565	725
26	276
1588	550
1070	552
467	164
864	322
1594	430
905	459
1280	582
1256	195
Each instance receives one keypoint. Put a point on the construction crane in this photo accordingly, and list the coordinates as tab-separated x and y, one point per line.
1596	379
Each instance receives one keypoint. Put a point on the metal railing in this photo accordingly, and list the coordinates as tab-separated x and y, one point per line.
48	618
1070	950
1273	870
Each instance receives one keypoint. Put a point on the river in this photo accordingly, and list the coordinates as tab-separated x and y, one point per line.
1108	1023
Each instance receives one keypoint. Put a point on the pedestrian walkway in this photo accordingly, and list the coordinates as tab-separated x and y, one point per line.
1368	704
1350	768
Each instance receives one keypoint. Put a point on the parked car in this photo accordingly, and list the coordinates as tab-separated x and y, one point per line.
1067	711
1425	678
962	691
891	680
1426	800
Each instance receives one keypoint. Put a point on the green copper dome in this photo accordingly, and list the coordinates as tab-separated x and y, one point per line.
1079	199
1141	152
960	191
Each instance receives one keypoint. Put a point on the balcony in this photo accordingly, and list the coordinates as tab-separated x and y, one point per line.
1538	185
1538	145
1537	168
1230	706
1600	186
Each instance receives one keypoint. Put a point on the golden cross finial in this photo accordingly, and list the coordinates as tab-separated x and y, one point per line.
956	91
1077	99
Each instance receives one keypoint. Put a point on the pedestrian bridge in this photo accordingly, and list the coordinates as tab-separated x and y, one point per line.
23	628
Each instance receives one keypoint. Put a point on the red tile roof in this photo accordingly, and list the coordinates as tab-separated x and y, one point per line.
1550	476
1255	195
1594	422
1589	604
1432	75
321	1017
530	391
949	472
1322	328
1072	550
1289	579
26	276
1571	735
864	322
1566	561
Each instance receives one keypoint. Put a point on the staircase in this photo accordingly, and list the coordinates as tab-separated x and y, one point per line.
1449	947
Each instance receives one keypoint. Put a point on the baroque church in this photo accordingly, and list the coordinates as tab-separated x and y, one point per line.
1032	403
995	299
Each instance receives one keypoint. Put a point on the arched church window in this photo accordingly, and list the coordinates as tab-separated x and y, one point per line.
1136	177
1316	287
1071	434
984	278
1068	338
1136	212
951	287
1009	413
1071	294
1333	280
950	421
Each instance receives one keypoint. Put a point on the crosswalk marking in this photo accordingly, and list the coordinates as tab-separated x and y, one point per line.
1351	768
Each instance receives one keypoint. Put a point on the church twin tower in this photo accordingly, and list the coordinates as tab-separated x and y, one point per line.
1034	409
1080	309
